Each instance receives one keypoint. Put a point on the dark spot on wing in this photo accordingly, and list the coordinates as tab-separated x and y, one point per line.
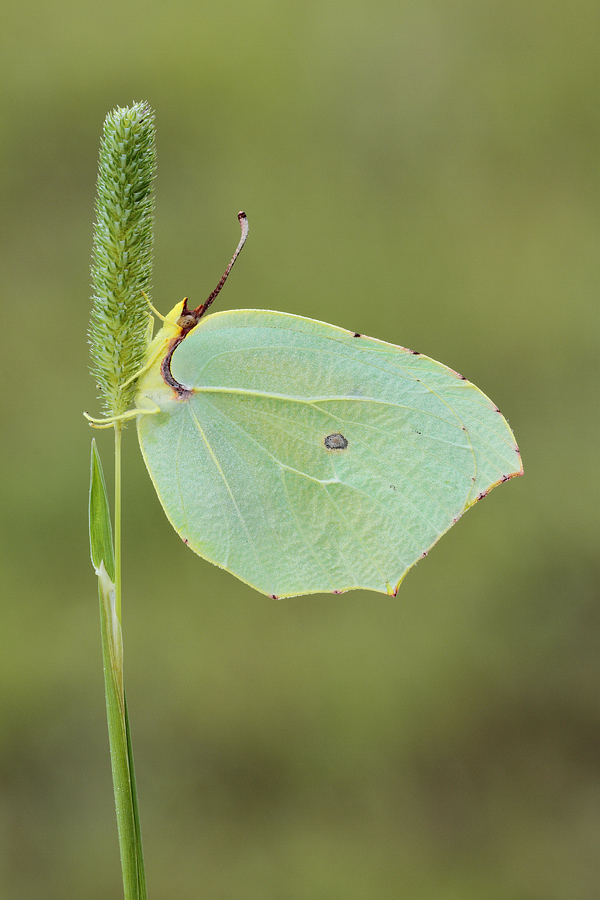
414	352
335	442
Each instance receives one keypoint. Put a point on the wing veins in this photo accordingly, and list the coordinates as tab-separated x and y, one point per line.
385	463
229	491
281	466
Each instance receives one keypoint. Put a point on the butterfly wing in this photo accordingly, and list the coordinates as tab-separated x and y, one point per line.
307	459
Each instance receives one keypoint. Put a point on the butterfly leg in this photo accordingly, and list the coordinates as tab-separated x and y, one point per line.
130	414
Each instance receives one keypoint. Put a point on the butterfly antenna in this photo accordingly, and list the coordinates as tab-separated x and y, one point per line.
243	220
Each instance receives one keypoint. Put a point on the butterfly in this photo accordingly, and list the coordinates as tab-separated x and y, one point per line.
305	458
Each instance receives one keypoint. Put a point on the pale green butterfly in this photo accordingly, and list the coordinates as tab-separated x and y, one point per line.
305	458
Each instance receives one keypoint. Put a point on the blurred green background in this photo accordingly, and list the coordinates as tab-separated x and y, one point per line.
423	172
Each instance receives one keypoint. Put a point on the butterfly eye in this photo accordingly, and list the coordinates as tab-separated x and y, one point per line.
186	322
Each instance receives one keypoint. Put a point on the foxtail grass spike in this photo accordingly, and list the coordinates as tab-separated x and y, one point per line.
122	254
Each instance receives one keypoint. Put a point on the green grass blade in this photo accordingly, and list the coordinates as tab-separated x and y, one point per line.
130	842
101	539
136	813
